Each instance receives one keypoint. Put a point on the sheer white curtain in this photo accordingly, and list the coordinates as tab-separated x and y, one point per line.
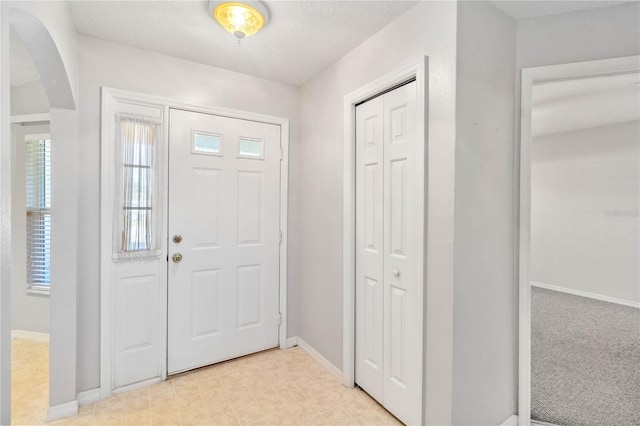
137	216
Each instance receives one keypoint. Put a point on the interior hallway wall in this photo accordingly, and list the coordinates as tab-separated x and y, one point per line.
104	63
585	225
484	344
429	28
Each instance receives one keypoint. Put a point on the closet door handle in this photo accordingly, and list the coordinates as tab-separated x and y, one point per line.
396	273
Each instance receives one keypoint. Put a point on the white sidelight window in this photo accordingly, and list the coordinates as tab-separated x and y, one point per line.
137	216
38	208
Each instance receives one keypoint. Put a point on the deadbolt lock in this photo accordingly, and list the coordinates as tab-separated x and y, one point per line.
177	238
176	257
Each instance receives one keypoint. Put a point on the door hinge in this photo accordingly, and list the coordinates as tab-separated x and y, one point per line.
280	237
279	319
281	153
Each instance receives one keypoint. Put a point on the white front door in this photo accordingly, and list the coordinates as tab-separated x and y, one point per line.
389	252
224	236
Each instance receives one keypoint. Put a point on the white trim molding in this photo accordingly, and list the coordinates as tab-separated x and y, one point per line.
291	342
62	411
30	118
88	397
110	100
317	357
30	335
530	78
511	421
586	294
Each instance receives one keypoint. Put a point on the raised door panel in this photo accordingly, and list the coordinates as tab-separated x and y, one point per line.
205	303
137	337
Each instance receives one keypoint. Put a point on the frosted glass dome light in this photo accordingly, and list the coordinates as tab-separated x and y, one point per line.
240	19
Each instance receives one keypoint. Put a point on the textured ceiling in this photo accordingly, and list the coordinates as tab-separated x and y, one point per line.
301	39
23	70
538	8
585	103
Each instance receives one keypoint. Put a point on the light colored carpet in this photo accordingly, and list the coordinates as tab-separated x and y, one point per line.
585	360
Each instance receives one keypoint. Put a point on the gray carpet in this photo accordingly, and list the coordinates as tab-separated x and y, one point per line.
585	360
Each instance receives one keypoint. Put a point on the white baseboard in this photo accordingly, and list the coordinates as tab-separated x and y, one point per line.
137	385
30	335
88	397
511	421
332	369
62	411
291	342
587	294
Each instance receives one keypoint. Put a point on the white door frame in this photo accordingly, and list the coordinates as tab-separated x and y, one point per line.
110	97
416	70
531	77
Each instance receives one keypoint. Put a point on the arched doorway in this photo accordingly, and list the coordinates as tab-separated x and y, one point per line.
32	22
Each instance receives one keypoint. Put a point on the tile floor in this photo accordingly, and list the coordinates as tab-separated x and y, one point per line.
269	388
29	382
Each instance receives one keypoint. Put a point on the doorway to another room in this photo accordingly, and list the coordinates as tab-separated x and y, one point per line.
580	239
31	242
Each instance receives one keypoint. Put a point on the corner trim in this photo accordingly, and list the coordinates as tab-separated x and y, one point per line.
29	335
62	411
332	369
88	397
586	294
511	421
291	342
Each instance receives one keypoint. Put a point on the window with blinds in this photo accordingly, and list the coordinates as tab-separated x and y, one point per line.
38	207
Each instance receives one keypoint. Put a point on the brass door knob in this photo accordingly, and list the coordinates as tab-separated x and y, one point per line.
176	257
177	238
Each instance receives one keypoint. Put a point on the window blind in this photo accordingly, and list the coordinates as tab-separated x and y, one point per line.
38	207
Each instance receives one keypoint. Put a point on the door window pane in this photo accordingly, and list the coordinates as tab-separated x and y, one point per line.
206	143
251	148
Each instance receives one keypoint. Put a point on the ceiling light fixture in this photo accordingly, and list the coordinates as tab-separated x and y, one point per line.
240	19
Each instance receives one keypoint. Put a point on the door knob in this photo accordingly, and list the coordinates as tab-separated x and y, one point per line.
176	257
177	238
396	273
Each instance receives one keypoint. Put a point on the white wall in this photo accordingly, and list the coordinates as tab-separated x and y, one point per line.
484	350
104	63
429	29
580	36
29	98
585	225
29	311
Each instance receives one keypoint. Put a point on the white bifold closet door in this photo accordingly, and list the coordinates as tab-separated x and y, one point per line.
389	252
